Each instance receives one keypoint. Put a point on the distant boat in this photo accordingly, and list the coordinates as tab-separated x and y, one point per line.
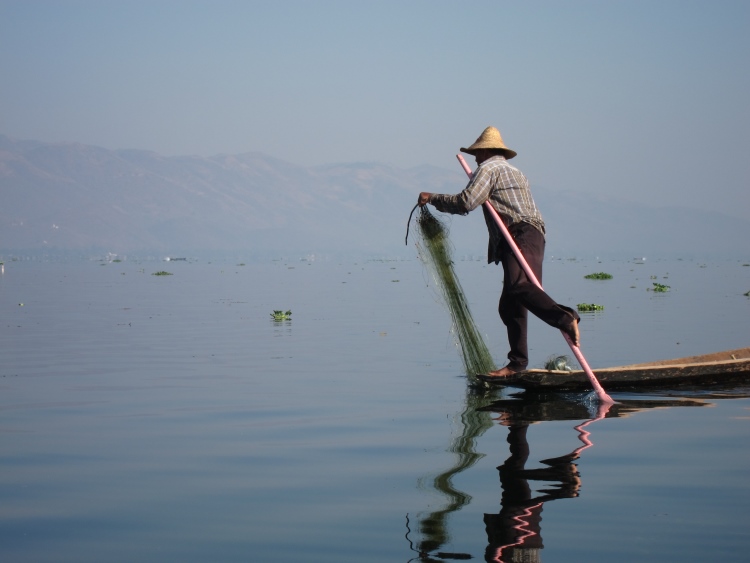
168	259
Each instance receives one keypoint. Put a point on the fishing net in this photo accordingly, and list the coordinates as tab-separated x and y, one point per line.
435	253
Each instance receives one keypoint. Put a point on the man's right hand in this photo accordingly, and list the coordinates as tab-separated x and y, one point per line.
424	198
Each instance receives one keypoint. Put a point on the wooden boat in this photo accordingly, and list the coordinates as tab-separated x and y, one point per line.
731	366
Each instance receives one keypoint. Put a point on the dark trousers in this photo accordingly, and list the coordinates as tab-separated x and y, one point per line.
520	295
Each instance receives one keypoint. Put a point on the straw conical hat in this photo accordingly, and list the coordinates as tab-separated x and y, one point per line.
490	139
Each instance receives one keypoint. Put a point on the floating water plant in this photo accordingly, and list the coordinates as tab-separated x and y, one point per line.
281	315
588	307
435	253
659	287
162	273
598	276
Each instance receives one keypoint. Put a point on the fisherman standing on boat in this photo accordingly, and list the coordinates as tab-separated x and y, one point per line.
507	190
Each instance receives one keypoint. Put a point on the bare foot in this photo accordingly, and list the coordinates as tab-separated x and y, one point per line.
502	372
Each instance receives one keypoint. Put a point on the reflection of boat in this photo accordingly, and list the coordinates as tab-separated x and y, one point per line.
719	368
541	407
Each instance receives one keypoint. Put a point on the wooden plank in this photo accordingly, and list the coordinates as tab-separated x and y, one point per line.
737	354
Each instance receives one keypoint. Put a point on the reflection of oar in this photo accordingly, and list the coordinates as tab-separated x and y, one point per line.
583	434
603	397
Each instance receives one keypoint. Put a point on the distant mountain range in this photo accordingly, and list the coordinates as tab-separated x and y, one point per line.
73	198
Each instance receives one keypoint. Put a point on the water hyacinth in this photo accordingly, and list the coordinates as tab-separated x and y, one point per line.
659	287
588	307
435	253
281	315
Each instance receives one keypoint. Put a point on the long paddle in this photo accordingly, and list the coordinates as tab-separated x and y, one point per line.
603	397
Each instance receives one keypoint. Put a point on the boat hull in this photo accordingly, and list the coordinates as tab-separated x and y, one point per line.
731	366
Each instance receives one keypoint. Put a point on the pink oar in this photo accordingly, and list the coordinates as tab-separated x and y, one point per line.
603	397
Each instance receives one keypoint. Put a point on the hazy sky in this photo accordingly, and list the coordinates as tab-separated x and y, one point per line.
645	100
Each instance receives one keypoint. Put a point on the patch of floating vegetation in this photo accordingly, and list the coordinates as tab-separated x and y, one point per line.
659	288
281	315
162	273
598	276
589	307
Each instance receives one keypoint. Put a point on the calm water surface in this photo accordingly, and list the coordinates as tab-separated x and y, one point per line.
169	418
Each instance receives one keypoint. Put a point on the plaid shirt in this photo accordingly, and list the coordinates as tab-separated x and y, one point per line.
507	190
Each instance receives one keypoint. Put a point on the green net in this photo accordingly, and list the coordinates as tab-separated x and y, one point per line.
435	253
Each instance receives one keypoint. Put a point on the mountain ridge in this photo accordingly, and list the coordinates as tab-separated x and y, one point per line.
70	197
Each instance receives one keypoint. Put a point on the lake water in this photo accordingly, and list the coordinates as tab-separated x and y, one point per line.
169	418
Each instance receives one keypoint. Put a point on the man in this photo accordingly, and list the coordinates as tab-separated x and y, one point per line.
507	190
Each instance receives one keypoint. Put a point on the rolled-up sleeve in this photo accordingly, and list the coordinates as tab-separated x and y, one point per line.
474	194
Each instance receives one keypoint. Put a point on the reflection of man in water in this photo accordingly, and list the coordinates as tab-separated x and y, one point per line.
515	533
